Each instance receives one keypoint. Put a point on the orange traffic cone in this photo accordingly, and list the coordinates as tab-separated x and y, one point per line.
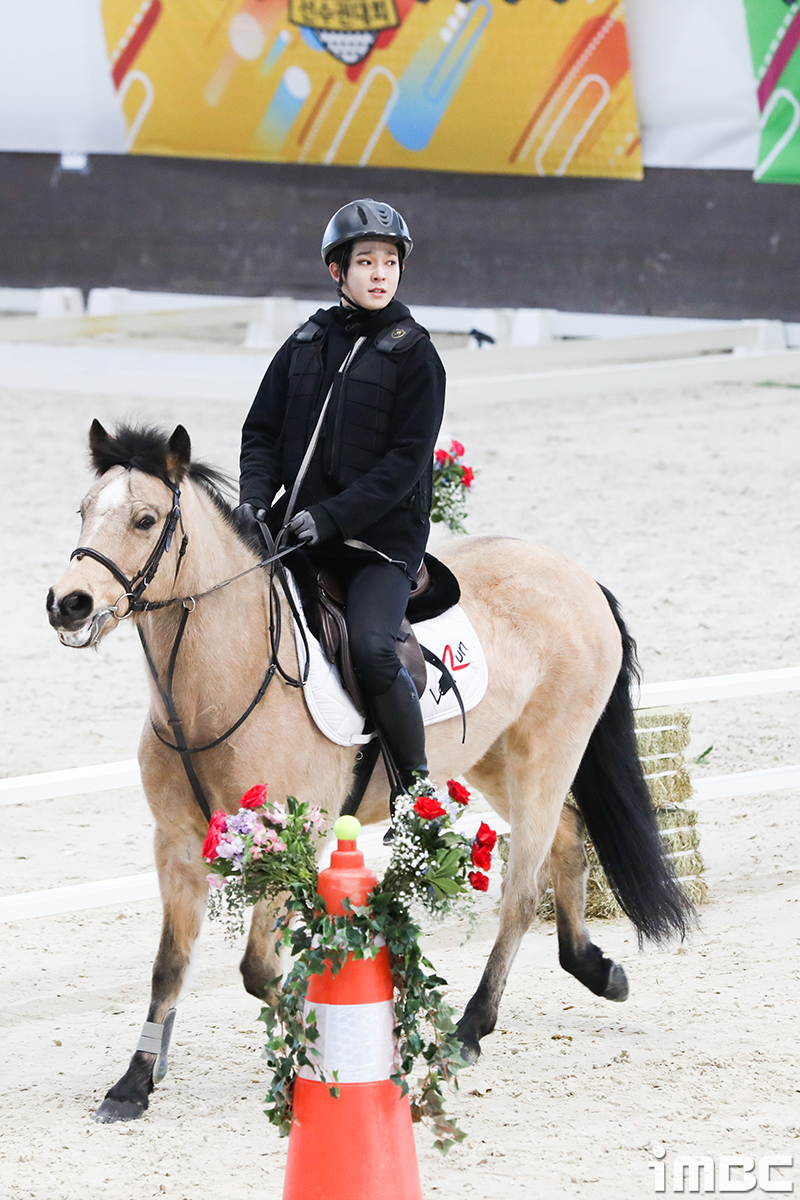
359	1145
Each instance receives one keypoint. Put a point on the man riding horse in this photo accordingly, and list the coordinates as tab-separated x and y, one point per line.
346	420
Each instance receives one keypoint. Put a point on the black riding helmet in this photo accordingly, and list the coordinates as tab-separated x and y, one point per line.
364	219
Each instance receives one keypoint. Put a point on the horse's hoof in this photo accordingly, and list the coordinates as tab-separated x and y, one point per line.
470	1049
617	986
118	1110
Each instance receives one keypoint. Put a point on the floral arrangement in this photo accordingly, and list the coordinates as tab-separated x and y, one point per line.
268	850
259	853
452	480
431	860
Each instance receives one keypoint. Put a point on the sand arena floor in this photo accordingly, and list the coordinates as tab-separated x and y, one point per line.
687	505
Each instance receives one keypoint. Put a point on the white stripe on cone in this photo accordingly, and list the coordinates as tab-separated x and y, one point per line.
355	1040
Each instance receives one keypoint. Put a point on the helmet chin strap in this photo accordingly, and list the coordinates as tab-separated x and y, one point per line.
350	302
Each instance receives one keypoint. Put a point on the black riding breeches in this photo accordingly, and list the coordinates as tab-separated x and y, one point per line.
377	596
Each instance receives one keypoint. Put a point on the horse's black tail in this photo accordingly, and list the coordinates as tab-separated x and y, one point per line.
614	800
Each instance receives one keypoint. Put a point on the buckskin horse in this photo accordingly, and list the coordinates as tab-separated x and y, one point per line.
557	715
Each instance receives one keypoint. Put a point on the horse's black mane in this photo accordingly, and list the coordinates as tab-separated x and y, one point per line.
146	448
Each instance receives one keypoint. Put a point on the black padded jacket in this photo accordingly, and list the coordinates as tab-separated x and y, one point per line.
370	476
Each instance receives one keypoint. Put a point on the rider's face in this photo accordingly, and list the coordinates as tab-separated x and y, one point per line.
373	274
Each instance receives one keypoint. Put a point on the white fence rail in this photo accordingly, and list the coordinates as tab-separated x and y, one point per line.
106	776
74	781
55	901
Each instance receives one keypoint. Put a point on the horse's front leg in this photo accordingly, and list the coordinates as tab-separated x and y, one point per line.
262	962
577	952
181	875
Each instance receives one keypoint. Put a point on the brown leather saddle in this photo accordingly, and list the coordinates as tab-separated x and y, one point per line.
333	636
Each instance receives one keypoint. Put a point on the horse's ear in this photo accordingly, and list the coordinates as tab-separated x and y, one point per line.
179	453
99	448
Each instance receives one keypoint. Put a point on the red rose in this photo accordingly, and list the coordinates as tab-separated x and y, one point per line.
478	881
429	807
467	476
256	797
481	857
216	827
456	448
486	836
442	457
457	791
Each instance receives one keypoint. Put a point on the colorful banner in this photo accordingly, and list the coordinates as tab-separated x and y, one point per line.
541	87
774	28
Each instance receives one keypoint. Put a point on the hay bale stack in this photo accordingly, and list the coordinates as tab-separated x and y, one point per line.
662	736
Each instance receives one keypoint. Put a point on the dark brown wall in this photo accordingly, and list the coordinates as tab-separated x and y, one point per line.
699	243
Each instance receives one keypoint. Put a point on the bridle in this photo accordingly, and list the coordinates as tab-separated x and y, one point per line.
133	593
134	587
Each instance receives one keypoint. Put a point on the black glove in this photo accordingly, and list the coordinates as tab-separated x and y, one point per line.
303	529
246	518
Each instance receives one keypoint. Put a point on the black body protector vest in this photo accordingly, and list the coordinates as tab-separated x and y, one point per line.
359	424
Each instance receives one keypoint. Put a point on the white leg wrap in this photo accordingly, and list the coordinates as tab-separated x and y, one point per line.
155	1040
151	1038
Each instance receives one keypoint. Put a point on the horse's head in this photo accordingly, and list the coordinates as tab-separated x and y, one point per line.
128	531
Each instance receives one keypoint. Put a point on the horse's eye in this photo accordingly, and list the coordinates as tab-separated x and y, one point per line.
146	522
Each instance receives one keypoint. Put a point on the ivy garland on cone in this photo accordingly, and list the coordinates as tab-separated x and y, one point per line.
267	850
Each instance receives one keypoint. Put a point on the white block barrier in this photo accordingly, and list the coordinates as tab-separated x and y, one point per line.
19	300
657	346
510	326
59	302
74	781
53	901
104	302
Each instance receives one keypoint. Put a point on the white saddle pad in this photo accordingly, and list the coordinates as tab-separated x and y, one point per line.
449	636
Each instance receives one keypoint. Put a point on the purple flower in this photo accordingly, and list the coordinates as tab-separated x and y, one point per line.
230	847
243	822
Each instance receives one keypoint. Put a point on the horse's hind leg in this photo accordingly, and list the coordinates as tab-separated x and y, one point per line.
527	782
577	953
184	891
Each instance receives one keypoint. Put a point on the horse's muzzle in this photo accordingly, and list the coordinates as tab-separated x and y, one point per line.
74	619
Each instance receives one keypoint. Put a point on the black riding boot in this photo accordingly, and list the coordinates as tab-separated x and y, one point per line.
400	719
